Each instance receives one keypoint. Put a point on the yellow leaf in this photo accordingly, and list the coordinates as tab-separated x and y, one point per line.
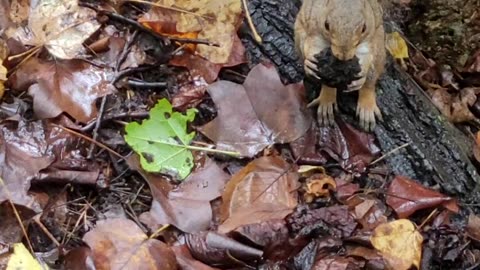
397	46
22	259
400	244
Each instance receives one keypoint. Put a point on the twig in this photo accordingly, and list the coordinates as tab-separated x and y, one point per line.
99	144
256	36
114	117
157	232
170	8
17	215
37	220
139	26
97	127
389	153
140	84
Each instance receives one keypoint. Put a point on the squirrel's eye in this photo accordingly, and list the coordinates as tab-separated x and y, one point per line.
327	26
364	28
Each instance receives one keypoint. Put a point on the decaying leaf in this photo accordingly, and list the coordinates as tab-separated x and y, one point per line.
60	26
121	244
187	207
400	244
215	21
62	86
473	227
258	113
263	190
3	69
162	140
406	196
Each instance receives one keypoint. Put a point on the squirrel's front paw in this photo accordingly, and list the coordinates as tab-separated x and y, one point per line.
367	109
327	105
311	70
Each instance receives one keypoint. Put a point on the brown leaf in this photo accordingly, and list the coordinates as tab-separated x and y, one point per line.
473	227
214	21
216	249
51	154
336	263
263	106
400	244
60	26
190	94
456	107
62	86
187	207
186	261
10	231
406	196
78	259
121	244
262	191
369	212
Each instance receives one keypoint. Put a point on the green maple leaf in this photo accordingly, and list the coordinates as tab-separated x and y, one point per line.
162	140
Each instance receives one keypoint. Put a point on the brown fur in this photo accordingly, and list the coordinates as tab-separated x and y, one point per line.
346	20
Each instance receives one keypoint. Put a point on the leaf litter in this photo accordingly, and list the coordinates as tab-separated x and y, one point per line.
77	168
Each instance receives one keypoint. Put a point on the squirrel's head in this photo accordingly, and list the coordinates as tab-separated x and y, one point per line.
346	25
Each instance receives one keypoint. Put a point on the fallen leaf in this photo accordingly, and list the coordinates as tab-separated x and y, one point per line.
258	113
187	207
187	262
406	196
397	46
3	69
216	249
60	26
62	86
456	107
51	154
262	191
79	258
212	20
22	259
473	227
10	231
400	244
162	140
121	244
336	263
335	221
368	210
190	94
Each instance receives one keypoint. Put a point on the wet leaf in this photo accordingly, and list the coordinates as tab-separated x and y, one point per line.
162	140
121	244
406	196
187	262
473	227
263	106
456	107
187	207
400	244
216	249
60	26
215	21
262	191
62	86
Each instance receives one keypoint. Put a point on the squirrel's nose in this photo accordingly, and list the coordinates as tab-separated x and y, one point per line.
343	53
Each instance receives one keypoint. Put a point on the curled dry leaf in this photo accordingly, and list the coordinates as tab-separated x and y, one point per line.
262	191
400	244
62	86
406	196
121	244
215	21
258	113
319	185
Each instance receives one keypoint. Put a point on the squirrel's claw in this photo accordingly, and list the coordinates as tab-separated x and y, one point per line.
367	114
311	68
325	114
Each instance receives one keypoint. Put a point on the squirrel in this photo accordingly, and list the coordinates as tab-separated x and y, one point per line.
350	29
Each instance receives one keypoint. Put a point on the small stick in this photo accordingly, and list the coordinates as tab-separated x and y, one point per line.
37	220
390	153
97	127
256	36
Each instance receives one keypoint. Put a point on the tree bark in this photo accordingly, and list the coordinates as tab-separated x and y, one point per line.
437	154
